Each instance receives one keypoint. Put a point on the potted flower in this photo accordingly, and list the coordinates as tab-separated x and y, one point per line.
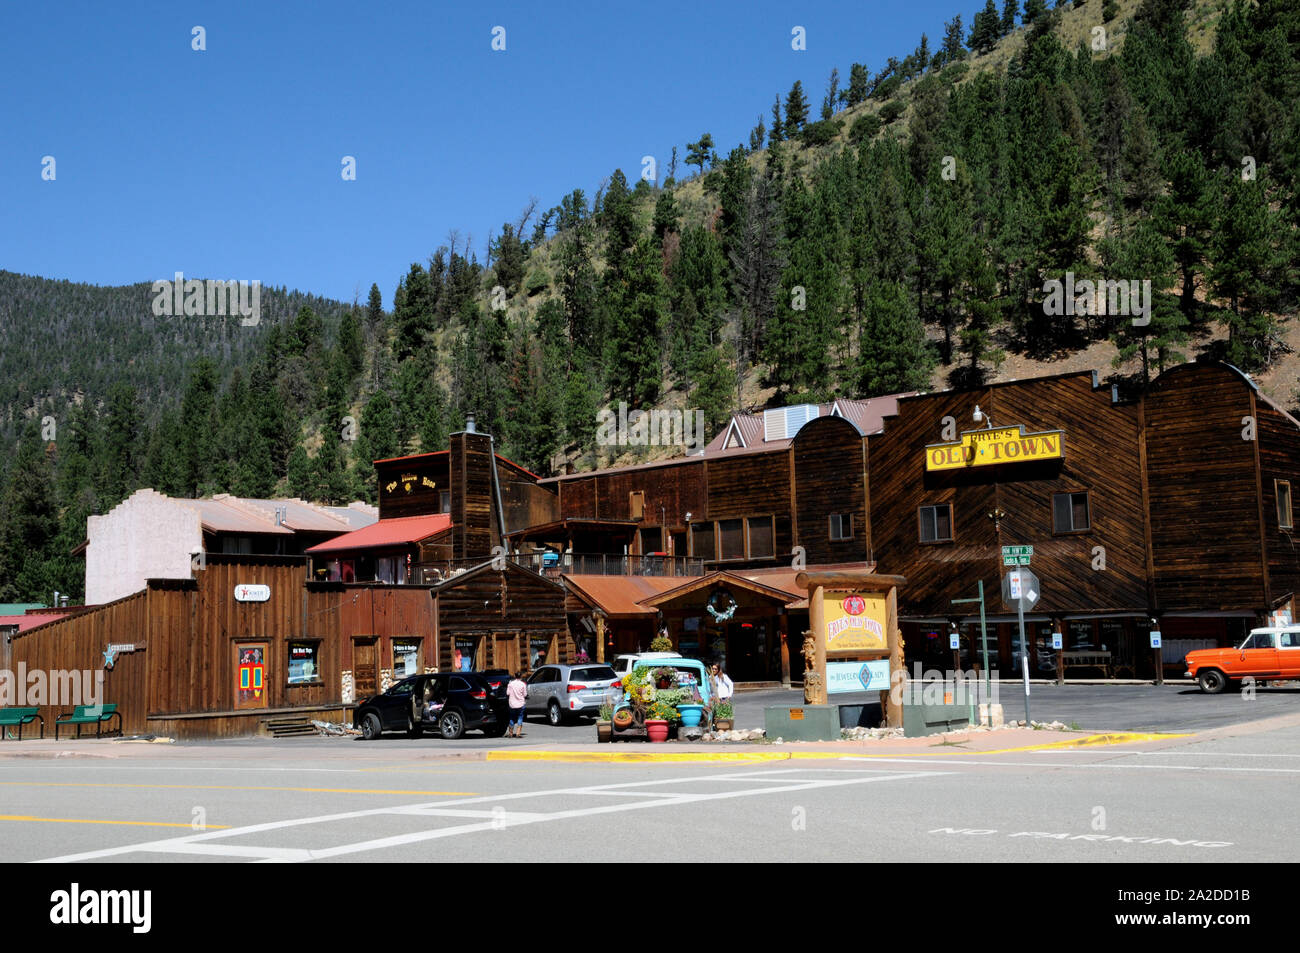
605	722
665	677
658	718
723	716
691	707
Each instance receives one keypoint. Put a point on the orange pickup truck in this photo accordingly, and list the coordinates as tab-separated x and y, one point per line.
1270	654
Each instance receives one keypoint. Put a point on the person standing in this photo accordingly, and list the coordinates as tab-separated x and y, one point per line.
723	686
517	694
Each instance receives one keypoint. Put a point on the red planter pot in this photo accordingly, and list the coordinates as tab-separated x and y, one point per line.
657	729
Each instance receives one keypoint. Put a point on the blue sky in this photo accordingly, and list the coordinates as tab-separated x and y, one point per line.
226	163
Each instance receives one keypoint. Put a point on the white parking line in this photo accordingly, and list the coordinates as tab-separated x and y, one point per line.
1109	765
777	782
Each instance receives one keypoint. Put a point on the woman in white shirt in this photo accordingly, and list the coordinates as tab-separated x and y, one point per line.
723	687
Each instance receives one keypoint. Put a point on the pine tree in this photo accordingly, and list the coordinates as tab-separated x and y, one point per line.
796	110
757	135
1146	256
1034	9
954	48
984	32
1248	249
859	76
832	94
778	129
1010	10
700	152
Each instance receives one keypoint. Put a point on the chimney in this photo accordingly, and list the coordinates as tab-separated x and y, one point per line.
469	424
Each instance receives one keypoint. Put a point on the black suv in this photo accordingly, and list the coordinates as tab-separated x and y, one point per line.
451	702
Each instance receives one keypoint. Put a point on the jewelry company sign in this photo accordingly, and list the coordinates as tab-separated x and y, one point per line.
247	592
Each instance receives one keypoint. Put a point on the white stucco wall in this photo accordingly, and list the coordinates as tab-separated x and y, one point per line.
146	536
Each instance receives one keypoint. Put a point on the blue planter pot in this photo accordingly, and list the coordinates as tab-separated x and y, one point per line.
691	714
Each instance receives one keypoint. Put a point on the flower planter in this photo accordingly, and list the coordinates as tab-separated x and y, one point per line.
623	719
723	724
604	730
657	729
691	714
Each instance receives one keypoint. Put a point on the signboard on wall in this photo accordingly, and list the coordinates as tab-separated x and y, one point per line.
985	448
844	677
855	621
247	592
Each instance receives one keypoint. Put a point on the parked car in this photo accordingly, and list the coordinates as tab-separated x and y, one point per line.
451	703
1268	654
562	692
623	663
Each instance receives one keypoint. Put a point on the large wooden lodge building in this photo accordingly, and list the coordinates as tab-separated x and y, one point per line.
1172	509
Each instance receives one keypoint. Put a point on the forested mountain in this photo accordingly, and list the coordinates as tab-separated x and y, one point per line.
901	235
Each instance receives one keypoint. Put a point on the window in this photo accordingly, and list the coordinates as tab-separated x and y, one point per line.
652	539
304	662
731	539
702	542
1284	519
762	540
841	525
936	523
406	657
1260	640
1291	640
444	501
1070	513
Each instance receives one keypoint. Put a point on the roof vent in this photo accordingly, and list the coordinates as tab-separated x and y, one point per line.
784	422
469	424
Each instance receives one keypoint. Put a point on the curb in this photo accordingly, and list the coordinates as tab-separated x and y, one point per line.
705	757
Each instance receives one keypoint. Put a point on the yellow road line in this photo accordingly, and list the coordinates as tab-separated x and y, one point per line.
234	787
82	820
670	757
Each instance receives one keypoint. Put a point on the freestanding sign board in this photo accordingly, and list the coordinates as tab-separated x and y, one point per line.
853	617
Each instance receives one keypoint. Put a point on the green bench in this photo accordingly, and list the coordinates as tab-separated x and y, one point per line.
11	717
89	715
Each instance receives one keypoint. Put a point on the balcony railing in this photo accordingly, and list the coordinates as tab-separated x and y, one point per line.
553	565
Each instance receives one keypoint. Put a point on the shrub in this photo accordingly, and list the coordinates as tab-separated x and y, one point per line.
821	133
892	110
864	128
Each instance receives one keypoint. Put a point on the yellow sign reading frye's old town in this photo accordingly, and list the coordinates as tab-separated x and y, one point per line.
855	622
984	448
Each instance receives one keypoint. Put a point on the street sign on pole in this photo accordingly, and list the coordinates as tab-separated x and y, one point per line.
1020	589
1016	555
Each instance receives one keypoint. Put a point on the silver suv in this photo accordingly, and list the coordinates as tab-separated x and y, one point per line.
562	692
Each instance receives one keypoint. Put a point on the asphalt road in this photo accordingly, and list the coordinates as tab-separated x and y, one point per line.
1091	707
1177	801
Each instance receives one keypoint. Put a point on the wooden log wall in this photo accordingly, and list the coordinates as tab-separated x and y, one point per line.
1201	474
1101	458
76	645
829	463
473	501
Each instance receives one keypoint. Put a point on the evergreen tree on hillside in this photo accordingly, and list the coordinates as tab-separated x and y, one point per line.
986	28
859	77
1034	10
28	569
198	428
413	315
796	109
1144	254
832	94
954	47
1248	250
700	152
778	128
1010	10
